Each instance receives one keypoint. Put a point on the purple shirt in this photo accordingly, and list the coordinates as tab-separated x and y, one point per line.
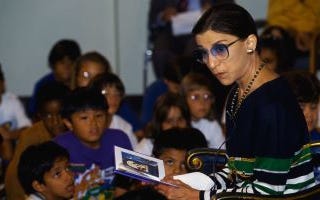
93	167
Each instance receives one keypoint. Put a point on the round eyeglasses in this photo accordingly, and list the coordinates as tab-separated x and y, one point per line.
218	50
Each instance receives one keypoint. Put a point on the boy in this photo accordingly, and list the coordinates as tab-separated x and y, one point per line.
50	124
90	144
169	148
112	88
44	173
61	60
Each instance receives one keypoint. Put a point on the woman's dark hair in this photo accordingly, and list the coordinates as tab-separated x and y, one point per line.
107	79
81	99
161	110
63	48
171	138
305	86
36	160
227	18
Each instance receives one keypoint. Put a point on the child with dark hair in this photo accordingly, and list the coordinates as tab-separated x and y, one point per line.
169	148
277	48
90	144
50	124
306	88
87	68
44	173
61	59
112	88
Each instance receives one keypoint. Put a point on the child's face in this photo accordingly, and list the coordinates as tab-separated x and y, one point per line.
58	182
174	119
174	161
113	97
199	103
87	72
88	126
269	56
51	117
310	111
62	70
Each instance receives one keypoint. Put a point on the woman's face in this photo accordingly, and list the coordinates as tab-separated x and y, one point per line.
174	119
234	66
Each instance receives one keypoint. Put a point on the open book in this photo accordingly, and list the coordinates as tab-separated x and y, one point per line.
139	166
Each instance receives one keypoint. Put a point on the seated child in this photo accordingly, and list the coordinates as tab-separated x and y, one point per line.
90	144
61	60
306	88
44	173
197	91
87	67
169	111
112	88
13	117
169	148
50	98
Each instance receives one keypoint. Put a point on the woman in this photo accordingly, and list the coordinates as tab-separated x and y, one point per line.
266	132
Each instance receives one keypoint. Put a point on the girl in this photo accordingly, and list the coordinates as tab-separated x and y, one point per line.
196	90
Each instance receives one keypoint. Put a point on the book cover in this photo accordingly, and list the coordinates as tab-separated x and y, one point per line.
139	166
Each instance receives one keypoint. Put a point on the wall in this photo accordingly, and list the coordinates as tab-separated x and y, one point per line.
116	28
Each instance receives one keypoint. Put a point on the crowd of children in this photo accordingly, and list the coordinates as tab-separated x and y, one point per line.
78	113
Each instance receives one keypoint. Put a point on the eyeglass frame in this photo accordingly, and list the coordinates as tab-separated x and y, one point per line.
205	59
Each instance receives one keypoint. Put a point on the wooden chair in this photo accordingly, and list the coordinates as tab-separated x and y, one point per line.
208	161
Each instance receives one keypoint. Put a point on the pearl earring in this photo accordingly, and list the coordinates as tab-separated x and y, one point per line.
249	50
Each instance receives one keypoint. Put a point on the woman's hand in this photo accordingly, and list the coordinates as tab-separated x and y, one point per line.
181	192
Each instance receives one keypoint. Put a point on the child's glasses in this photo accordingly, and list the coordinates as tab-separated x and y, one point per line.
218	50
198	97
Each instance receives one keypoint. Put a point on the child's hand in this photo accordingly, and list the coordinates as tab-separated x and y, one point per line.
181	192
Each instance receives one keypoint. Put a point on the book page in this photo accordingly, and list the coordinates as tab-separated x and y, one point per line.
139	166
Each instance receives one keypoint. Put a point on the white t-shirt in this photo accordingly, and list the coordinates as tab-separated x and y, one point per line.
12	110
145	146
118	122
212	131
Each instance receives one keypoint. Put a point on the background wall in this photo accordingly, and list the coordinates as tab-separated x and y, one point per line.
116	28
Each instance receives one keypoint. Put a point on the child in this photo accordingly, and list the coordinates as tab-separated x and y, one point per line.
87	68
195	88
44	173
169	148
61	60
277	49
50	124
112	88
306	87
169	111
13	120
90	144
